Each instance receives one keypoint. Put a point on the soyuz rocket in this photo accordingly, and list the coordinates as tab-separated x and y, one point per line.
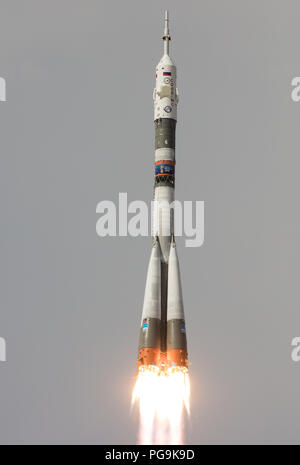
162	341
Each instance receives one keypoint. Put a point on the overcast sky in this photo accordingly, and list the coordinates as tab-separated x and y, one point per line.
77	128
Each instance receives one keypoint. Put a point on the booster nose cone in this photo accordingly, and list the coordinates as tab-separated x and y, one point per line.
176	335
175	300
152	298
150	332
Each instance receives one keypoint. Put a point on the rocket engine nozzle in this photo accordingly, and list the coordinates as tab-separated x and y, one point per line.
149	357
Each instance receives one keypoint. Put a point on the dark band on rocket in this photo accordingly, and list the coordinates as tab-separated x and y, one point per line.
176	336
165	133
150	333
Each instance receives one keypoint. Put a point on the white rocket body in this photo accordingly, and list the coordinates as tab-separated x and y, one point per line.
165	97
162	336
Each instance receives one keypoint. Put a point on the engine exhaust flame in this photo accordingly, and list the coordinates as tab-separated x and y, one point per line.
163	397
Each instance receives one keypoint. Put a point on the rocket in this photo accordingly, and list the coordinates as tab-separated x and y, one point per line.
162	341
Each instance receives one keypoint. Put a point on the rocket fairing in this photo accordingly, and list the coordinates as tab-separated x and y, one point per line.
162	341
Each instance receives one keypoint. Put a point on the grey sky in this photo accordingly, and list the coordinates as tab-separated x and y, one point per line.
77	128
